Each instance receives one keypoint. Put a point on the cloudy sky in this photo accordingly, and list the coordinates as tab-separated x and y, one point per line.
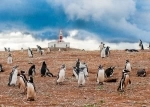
85	23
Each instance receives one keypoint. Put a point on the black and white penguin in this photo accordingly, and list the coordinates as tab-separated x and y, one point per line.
75	73
13	76
30	54
149	46
103	53
141	45
101	46
77	67
22	81
61	74
100	75
31	71
85	68
107	51
81	77
48	73
1	68
5	49
31	91
9	59
43	69
48	50
109	71
21	49
141	73
125	80
128	66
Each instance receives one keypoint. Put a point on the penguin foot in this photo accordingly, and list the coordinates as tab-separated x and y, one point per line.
101	83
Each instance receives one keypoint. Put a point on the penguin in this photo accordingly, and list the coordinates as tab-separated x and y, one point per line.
128	66
81	77
61	74
141	45
85	68
125	80
21	49
103	53
141	73
13	76
75	73
9	59
5	49
48	50
77	67
109	71
100	75
43	69
31	71
107	51
30	54
149	46
1	68
31	91
101	46
48	73
22	82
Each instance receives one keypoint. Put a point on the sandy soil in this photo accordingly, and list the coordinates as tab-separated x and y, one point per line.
69	94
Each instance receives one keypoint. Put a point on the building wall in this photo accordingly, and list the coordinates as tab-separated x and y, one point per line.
59	44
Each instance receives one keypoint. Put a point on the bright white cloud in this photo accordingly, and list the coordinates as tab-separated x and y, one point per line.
96	9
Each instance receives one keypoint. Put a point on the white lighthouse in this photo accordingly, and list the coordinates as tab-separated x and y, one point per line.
59	43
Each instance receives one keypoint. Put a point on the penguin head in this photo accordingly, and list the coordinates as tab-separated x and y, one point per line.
22	72
127	61
33	66
63	66
100	66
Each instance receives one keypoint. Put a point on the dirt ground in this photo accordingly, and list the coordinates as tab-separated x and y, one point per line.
69	94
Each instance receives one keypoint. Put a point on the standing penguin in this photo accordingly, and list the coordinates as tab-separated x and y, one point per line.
75	73
100	75
1	68
31	71
21	49
43	69
13	76
61	74
81	77
48	50
9	59
103	53
149	46
141	45
124	80
85	68
128	66
30	54
22	82
31	91
107	51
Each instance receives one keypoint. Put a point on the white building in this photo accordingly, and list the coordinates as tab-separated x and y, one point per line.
59	43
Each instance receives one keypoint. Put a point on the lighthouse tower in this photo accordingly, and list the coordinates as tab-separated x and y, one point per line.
59	43
60	36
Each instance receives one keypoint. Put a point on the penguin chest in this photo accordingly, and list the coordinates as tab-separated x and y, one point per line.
101	75
30	90
14	78
81	79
